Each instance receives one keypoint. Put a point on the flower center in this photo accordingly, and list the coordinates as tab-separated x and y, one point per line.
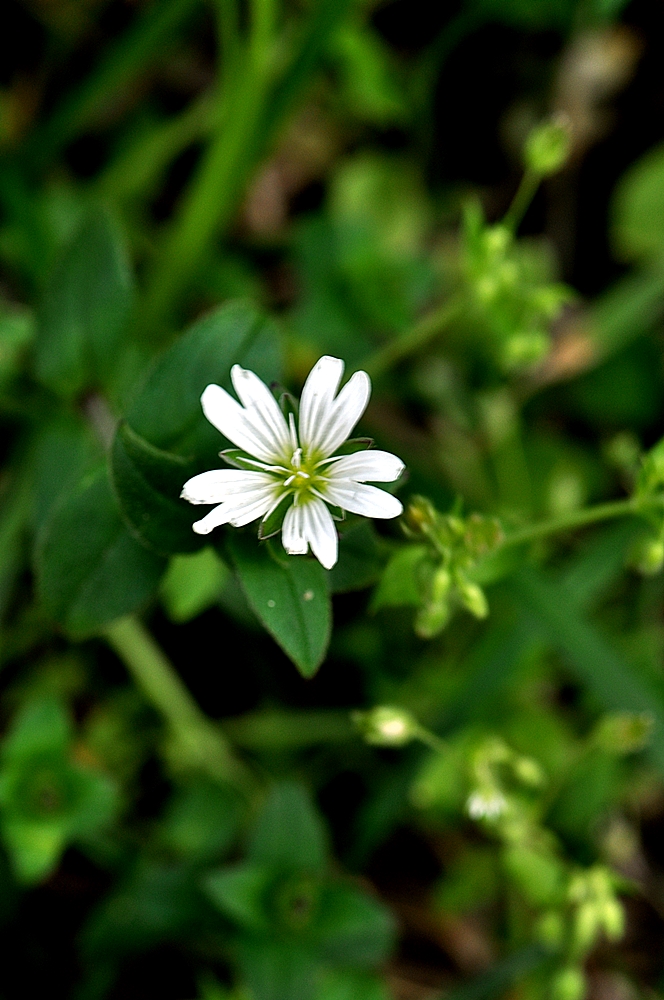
302	477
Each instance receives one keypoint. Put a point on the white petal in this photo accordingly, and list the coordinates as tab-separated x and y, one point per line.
265	413
292	531
357	498
219	484
238	511
317	397
366	466
212	520
344	413
251	509
235	423
320	533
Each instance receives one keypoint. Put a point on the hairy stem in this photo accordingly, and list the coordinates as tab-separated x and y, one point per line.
525	193
197	741
579	518
414	339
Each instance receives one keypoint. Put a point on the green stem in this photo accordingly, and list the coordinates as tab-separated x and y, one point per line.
414	339
198	742
578	518
432	741
209	203
522	199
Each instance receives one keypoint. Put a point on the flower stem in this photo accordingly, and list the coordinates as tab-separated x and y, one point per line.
525	193
414	338
578	518
197	741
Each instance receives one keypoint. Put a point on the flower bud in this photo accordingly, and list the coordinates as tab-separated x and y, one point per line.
432	619
472	597
568	984
586	926
648	556
528	771
486	803
548	146
421	515
612	917
386	726
524	348
550	929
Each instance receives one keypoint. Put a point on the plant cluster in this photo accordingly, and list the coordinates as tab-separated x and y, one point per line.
271	731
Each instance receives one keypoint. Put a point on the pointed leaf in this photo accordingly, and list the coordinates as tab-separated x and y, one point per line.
89	568
167	412
148	483
289	596
84	309
289	832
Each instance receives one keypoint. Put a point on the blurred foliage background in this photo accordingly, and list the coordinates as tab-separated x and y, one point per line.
437	770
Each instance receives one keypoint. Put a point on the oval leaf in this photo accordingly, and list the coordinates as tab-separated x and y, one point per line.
289	595
148	483
89	568
168	413
84	309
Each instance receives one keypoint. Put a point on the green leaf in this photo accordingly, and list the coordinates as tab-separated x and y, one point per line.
278	971
154	902
167	412
201	820
354	928
594	660
346	984
638	208
89	568
360	560
40	727
289	832
46	799
148	483
241	892
289	596
399	583
84	309
192	584
64	449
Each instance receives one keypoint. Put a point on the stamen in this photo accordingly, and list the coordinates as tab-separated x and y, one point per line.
303	475
293	432
296	460
288	481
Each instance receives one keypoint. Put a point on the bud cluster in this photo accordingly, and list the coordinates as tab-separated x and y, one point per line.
454	545
512	301
647	555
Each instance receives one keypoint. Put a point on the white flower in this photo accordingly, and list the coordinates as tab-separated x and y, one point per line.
487	804
297	466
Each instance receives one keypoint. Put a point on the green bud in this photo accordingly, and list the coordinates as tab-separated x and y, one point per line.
568	984
623	452
472	597
497	239
440	585
525	348
550	929
585	927
612	917
386	726
432	619
528	771
548	146
421	516
647	556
